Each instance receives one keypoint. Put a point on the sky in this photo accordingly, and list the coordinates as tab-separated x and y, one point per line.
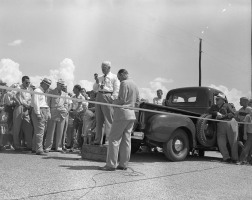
156	41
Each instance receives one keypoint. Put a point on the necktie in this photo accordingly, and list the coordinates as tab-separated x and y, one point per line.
103	81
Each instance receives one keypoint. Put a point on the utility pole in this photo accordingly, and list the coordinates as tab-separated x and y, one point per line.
200	45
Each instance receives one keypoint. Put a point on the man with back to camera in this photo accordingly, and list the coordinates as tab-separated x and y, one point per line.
120	136
107	87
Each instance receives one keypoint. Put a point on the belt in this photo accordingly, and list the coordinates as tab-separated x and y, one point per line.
44	107
106	92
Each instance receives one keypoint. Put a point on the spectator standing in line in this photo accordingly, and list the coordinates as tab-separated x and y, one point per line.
77	107
21	117
240	116
107	87
40	115
159	99
247	150
59	112
225	134
10	101
120	136
69	107
3	120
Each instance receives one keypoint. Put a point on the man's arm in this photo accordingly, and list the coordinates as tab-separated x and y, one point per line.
122	96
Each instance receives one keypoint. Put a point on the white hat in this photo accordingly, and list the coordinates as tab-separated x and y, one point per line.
61	82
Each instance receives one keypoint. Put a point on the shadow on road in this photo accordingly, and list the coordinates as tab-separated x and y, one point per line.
148	157
60	158
71	167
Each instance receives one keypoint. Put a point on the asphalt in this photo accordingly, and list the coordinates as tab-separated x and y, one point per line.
149	176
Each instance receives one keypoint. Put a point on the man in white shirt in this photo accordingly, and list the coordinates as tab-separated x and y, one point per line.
159	99
40	115
107	88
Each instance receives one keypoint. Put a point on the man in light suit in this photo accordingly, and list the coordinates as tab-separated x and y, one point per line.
59	112
124	118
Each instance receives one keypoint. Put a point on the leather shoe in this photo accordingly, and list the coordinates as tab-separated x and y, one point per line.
121	168
106	168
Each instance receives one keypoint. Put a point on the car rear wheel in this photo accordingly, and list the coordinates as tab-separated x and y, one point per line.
177	148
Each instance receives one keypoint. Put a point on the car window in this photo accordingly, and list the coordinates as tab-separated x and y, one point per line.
184	97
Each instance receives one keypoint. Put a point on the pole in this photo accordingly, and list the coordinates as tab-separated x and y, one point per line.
251	56
200	45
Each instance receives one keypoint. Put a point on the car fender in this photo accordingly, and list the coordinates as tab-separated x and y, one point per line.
160	127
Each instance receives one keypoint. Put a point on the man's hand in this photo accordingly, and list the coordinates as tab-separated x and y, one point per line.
96	78
219	115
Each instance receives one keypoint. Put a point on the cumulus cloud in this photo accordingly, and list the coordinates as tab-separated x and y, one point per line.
9	71
88	85
65	72
233	95
157	83
15	43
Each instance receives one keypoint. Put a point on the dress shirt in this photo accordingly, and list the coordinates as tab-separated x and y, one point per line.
24	97
110	82
76	103
158	101
38	101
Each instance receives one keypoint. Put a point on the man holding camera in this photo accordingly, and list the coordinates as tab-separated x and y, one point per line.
107	88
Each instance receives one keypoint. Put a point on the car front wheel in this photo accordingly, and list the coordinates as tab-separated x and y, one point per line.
177	147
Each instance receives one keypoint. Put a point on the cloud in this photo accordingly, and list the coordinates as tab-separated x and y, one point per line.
15	43
157	83
233	95
65	72
88	85
9	71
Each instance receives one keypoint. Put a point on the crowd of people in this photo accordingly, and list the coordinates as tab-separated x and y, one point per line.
62	121
43	119
39	123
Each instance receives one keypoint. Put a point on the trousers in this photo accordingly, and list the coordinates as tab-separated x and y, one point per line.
22	122
119	143
104	116
39	129
225	134
54	127
247	150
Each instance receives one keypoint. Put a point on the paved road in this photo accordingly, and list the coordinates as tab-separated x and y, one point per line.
150	176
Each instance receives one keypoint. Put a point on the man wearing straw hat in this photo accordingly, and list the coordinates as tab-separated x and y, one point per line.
59	112
40	115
